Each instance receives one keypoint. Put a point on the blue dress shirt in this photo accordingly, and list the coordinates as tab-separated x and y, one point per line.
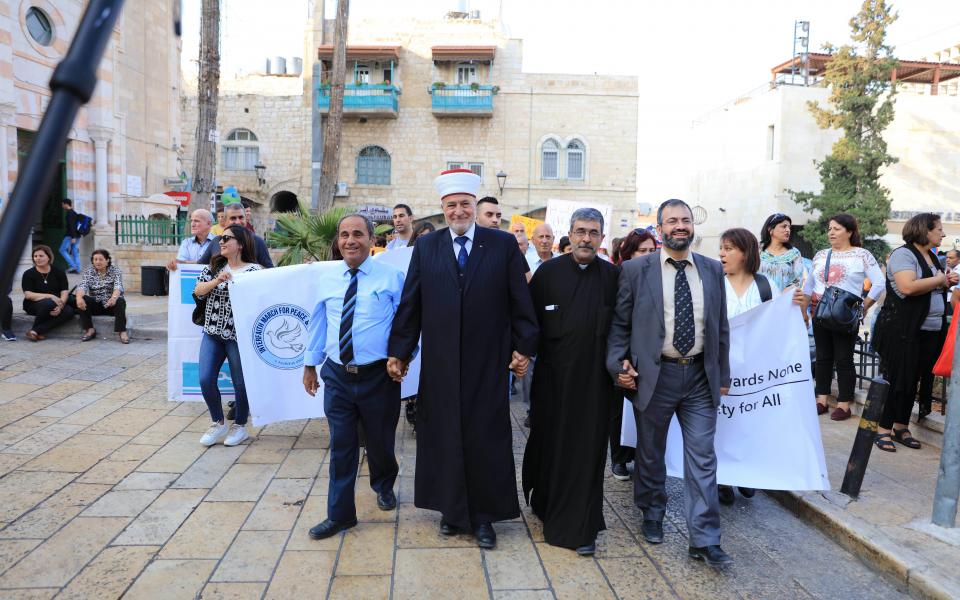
191	250
379	287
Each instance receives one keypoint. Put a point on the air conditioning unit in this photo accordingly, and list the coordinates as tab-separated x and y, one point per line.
342	190
475	14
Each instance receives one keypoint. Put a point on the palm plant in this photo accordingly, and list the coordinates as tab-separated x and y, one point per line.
307	236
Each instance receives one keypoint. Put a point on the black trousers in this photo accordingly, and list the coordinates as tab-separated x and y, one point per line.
95	309
834	349
899	405
44	321
6	313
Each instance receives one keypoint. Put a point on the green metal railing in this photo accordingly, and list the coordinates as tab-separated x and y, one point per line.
144	231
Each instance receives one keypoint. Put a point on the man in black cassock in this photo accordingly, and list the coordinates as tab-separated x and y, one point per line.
572	396
465	467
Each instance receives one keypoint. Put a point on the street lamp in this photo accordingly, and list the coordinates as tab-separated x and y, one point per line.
260	168
501	181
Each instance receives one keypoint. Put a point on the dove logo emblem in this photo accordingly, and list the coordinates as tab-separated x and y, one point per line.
280	336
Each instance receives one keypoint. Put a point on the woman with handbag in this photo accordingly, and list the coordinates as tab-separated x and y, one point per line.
212	293
912	324
835	287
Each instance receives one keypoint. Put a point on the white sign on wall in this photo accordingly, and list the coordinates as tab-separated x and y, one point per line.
560	211
134	185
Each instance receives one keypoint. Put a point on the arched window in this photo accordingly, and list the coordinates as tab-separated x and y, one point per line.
373	166
241	150
575	154
550	160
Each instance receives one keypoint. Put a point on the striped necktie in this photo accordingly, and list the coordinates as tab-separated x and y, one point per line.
346	320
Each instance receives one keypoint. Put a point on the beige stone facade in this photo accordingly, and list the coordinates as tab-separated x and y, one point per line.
591	120
123	146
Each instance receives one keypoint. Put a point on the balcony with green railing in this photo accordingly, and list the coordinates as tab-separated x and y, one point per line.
137	230
363	100
463	100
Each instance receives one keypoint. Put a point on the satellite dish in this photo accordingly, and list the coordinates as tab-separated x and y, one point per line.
644	208
699	215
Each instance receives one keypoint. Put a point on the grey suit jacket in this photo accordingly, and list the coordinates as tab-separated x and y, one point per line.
637	331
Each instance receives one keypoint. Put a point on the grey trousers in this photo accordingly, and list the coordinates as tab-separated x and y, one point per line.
683	390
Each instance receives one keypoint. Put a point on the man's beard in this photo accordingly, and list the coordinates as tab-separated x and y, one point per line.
677	243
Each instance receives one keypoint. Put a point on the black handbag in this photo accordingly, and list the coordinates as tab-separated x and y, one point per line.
199	311
838	310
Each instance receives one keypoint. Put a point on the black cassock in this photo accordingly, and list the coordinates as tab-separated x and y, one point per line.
571	399
471	323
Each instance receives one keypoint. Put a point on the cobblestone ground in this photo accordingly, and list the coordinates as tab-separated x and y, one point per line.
105	491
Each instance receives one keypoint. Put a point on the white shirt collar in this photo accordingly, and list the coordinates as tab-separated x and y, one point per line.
469	233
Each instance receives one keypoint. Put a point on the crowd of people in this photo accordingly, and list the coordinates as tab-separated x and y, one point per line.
578	329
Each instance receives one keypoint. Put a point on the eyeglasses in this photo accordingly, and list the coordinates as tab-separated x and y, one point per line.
584	233
226	238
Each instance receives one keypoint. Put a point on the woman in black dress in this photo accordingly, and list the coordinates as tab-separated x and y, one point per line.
45	291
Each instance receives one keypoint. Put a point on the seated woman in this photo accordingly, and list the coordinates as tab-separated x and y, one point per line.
45	291
101	293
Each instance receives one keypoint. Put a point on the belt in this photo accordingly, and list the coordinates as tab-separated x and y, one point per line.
683	361
362	370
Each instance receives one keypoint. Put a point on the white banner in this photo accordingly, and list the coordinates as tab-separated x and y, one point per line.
272	310
183	341
560	211
768	434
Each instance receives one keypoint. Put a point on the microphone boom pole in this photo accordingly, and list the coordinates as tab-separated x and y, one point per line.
72	86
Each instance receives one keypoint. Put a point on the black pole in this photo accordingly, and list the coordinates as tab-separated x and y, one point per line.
72	85
863	443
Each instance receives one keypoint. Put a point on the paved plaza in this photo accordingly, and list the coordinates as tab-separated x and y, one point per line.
106	492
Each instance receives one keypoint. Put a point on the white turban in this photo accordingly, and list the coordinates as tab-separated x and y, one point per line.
457	181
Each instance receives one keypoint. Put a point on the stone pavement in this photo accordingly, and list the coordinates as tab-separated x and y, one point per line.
106	492
889	524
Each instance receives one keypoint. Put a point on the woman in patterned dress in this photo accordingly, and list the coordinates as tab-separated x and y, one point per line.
237	255
780	262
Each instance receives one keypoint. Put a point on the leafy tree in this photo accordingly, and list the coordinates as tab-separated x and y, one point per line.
307	236
861	105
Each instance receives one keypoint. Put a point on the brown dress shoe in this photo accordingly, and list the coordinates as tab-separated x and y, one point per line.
821	408
839	414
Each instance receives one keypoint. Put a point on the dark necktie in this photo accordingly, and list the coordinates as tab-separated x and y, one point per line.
462	255
346	320
684	331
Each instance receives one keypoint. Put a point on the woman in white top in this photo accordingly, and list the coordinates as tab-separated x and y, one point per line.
746	289
850	266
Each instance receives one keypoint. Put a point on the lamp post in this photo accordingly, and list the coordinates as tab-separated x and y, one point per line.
501	181
260	168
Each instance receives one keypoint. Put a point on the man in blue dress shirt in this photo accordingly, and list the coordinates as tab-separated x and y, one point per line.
348	333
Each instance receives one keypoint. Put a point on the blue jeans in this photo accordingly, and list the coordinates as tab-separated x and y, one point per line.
213	351
70	252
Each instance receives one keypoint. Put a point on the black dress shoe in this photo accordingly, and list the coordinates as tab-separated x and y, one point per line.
726	494
713	555
448	529
330	528
386	500
652	531
747	492
486	536
587	550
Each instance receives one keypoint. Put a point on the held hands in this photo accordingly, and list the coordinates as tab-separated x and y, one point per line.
397	369
627	379
310	383
519	364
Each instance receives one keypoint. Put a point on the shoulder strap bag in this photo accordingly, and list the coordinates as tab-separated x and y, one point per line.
838	310
763	286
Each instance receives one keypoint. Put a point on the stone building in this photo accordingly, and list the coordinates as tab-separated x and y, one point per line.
750	152
424	95
123	146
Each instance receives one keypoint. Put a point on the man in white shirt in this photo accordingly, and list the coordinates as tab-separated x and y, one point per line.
543	246
201	221
402	227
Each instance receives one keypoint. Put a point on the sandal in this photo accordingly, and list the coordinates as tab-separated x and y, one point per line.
906	438
89	336
884	442
33	336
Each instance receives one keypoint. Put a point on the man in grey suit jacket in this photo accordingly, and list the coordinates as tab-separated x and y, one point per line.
675	362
